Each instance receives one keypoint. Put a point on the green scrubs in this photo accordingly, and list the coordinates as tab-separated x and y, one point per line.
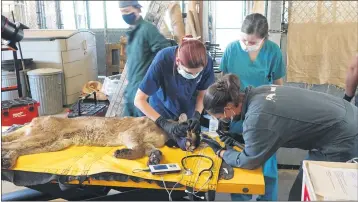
143	43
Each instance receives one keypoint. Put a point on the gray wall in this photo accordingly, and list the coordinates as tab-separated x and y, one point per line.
113	36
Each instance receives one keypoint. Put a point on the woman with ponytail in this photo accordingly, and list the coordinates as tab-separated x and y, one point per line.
257	61
281	116
175	83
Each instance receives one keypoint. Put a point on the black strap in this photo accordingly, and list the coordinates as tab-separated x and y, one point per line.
63	180
211	195
190	193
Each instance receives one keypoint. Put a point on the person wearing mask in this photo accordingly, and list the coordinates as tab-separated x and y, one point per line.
352	80
143	43
256	61
282	116
175	83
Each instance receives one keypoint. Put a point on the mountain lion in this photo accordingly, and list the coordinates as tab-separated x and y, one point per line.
140	135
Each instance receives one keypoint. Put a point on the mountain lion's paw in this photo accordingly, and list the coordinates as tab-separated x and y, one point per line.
155	157
123	153
7	160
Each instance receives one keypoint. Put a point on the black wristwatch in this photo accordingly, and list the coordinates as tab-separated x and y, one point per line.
348	98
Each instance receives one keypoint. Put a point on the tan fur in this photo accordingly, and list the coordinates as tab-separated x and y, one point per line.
140	135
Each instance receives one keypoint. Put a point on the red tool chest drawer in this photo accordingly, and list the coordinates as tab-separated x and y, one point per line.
18	111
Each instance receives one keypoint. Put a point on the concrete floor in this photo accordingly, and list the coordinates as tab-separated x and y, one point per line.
286	178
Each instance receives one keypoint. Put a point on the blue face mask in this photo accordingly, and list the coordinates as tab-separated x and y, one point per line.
129	18
186	74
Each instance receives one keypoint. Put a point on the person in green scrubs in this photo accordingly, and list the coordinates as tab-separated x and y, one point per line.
256	61
143	43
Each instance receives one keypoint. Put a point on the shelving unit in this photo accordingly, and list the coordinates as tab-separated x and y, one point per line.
17	72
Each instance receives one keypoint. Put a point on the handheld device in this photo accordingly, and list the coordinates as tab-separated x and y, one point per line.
235	143
164	168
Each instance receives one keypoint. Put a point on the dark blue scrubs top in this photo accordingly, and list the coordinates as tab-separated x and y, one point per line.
170	93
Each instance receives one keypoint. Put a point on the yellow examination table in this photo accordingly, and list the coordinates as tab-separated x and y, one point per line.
89	173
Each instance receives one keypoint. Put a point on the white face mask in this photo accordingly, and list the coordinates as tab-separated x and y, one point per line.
250	48
186	74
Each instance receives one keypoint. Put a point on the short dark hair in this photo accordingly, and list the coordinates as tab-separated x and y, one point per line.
219	94
256	24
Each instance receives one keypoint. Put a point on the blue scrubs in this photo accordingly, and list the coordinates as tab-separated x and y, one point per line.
269	61
169	93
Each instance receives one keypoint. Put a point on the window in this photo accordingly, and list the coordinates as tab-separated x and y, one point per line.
113	13
81	17
96	14
226	36
50	10
114	17
228	19
68	16
145	6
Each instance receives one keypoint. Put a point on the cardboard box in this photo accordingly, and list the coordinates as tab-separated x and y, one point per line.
317	181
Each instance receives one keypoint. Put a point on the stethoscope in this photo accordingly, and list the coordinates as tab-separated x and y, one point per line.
189	172
353	160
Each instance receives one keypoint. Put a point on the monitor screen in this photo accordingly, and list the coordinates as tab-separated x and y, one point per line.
160	167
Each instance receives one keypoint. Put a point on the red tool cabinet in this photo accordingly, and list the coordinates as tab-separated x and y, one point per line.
18	111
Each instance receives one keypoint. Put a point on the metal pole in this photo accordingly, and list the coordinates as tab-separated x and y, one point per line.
58	15
105	14
105	30
244	13
75	13
283	12
16	66
22	63
44	15
88	17
38	12
266	8
183	6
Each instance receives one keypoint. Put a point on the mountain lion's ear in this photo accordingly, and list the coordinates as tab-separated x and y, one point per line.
182	118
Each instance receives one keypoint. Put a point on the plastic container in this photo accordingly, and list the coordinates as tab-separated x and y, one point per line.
8	65
110	84
213	125
46	88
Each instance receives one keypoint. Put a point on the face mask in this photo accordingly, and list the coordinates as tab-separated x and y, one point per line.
129	18
250	48
235	117
186	74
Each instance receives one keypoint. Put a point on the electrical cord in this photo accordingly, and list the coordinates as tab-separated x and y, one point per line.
165	187
186	171
171	190
182	177
137	170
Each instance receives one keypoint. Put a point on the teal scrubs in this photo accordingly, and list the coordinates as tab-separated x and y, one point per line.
143	42
267	67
